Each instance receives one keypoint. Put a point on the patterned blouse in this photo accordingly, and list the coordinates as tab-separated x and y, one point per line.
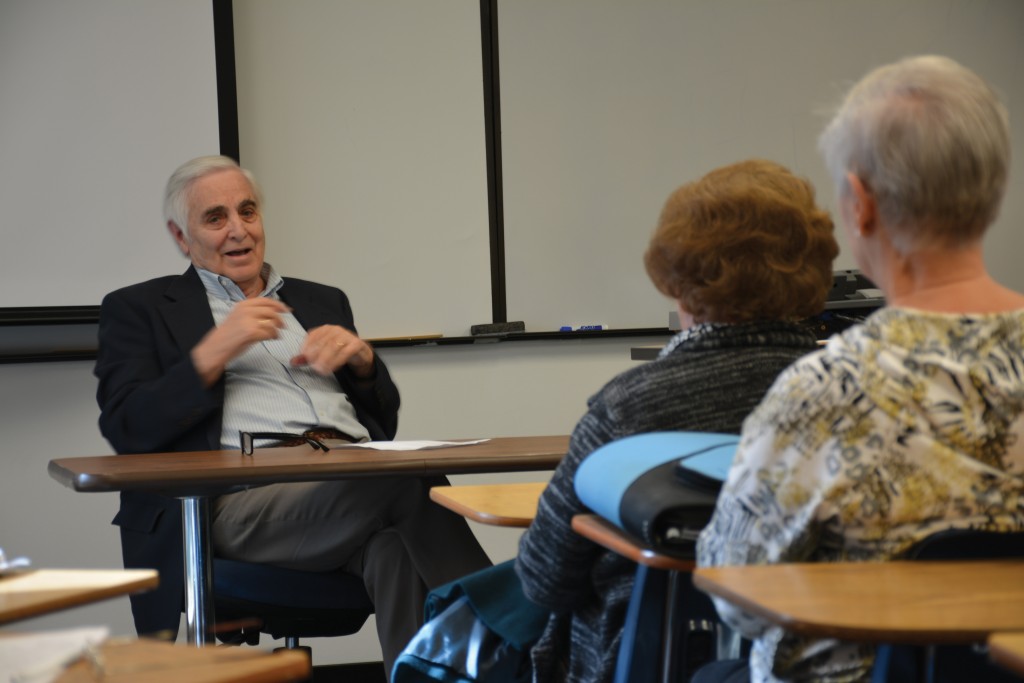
903	426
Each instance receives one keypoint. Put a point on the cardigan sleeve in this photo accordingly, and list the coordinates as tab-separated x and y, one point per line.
376	399
554	562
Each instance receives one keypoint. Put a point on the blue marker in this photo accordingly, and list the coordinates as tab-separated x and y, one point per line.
582	328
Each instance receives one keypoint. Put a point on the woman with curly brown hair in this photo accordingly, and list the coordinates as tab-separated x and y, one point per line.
746	254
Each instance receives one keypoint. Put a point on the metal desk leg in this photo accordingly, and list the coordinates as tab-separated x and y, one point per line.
670	629
198	576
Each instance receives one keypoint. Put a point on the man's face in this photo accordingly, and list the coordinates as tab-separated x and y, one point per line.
225	229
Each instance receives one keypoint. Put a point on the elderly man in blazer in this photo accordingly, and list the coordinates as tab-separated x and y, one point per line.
187	361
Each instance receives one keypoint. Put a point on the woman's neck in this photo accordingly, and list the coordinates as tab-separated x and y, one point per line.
947	281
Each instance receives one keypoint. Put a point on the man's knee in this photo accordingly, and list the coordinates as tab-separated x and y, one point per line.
385	552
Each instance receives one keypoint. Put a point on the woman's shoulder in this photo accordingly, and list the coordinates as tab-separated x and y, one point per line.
919	336
813	388
679	375
654	381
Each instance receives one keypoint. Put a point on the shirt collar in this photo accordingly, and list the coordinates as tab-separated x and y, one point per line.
692	332
223	287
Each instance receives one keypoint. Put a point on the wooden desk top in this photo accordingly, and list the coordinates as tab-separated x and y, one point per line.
158	662
513	505
909	602
39	591
203	472
604	533
1007	649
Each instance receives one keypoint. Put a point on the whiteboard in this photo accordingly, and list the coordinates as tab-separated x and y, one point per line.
101	101
608	106
363	122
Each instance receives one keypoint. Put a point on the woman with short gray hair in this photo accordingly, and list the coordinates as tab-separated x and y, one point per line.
911	422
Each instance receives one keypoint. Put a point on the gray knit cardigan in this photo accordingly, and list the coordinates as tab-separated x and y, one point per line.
708	378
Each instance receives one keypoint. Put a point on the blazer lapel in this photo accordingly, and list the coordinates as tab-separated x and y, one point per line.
306	309
186	310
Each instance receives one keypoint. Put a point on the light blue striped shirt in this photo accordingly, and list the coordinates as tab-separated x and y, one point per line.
262	391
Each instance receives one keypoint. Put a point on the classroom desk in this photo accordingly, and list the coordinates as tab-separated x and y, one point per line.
158	662
1007	650
193	476
513	505
33	592
924	602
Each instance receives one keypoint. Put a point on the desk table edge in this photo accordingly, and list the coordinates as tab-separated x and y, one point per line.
63	471
818	629
143	582
630	548
437	494
1003	654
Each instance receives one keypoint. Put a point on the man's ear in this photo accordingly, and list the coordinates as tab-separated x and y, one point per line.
865	211
179	236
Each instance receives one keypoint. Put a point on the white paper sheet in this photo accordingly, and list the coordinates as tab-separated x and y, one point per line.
401	445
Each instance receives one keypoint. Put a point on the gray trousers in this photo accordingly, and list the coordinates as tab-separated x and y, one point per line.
386	530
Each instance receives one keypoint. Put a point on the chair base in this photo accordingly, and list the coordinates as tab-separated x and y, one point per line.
365	672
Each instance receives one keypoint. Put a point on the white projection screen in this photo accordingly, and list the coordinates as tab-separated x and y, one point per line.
101	101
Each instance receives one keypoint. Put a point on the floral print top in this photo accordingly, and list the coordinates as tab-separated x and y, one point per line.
902	426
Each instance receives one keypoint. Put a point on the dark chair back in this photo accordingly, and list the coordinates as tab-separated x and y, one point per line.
968	544
950	663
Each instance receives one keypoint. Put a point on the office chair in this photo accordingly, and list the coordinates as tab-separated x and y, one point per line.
950	663
287	603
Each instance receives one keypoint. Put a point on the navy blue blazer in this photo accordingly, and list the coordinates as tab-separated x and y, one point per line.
152	400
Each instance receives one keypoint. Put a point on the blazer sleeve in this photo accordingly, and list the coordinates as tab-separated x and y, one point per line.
377	399
151	399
